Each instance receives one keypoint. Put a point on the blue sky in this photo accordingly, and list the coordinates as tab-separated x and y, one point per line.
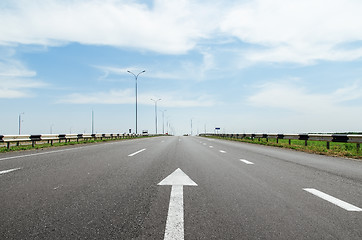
272	66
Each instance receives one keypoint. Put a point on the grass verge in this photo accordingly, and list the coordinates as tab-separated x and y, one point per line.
57	144
348	150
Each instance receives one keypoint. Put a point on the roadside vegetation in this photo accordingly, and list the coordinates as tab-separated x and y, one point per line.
348	150
40	145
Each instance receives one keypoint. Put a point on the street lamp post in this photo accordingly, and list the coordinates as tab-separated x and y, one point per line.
156	111
191	126
20	123
136	77
163	121
92	121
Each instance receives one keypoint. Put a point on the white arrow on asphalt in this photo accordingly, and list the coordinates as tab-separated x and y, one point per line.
175	218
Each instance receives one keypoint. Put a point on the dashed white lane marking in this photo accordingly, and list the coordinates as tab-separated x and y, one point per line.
7	171
211	146
132	154
336	201
222	151
246	161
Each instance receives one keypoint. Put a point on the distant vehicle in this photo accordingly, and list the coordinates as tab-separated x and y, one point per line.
185	134
145	132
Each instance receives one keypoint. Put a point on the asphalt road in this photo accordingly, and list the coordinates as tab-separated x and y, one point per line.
244	191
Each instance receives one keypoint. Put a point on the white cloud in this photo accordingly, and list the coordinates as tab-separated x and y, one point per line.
197	71
18	88
349	93
127	97
297	31
109	70
16	80
297	99
280	30
290	107
12	68
12	93
167	27
185	70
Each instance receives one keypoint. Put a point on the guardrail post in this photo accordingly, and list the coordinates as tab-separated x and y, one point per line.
277	140
357	146
8	145
33	143
306	143
328	145
51	142
290	141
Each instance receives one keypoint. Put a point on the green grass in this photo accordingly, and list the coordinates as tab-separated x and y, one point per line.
318	147
57	144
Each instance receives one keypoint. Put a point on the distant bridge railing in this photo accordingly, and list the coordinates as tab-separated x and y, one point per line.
50	138
328	138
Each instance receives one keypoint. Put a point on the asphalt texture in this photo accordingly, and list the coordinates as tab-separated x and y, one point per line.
98	191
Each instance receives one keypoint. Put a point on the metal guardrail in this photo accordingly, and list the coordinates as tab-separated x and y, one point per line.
328	138
50	138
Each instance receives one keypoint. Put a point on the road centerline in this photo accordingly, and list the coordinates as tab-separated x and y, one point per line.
135	153
335	201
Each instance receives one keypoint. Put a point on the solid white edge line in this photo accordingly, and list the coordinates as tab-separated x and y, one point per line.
57	151
331	199
246	161
222	151
10	170
132	154
42	153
